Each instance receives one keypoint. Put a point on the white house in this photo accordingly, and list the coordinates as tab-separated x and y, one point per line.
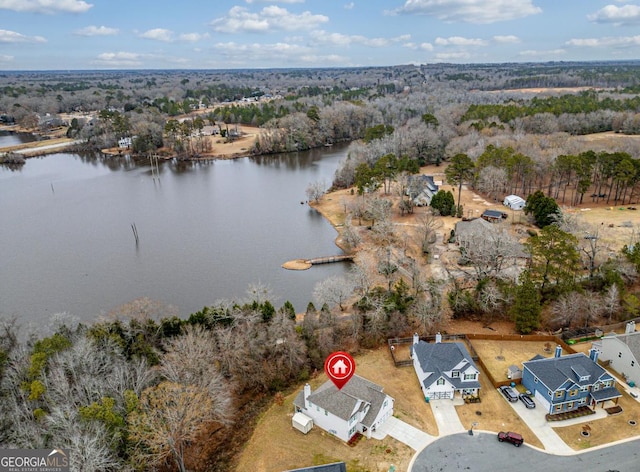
126	142
623	352
359	407
514	202
444	369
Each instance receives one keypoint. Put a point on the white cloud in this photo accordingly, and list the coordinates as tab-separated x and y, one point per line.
508	39
7	36
453	56
349	6
343	40
193	37
610	42
625	15
46	6
460	41
280	52
5	58
271	18
536	53
470	11
421	46
96	31
119	59
158	34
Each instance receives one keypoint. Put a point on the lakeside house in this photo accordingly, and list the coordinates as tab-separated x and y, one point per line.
566	383
444	369
360	406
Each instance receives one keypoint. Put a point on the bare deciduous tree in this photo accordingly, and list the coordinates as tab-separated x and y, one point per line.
334	290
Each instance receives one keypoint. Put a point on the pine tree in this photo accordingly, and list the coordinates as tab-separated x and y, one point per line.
526	308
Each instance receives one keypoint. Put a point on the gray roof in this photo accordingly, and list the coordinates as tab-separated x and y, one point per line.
471	227
633	341
441	357
606	394
492	214
354	396
554	372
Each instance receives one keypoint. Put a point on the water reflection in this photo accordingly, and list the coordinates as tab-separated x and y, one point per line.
207	229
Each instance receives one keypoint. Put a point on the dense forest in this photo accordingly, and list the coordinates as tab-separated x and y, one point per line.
148	389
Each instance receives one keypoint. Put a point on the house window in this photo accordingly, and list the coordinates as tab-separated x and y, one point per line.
569	405
559	394
619	354
326	413
633	363
582	401
573	392
558	407
352	431
455	374
440	381
535	379
585	388
469	376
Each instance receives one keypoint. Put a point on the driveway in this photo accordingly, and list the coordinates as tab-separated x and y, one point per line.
536	421
446	416
403	432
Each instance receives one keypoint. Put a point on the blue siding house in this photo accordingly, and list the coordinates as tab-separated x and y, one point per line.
566	383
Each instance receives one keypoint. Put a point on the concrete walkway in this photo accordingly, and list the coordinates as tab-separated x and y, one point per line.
403	432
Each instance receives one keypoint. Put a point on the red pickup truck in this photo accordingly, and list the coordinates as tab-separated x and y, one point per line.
513	438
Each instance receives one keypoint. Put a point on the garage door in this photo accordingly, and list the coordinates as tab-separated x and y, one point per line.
441	395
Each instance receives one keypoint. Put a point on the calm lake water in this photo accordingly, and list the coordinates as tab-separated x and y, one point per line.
206	232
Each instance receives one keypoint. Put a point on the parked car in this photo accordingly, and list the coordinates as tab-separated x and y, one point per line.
509	393
527	400
513	438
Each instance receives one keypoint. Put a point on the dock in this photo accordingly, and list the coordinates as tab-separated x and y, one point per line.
303	264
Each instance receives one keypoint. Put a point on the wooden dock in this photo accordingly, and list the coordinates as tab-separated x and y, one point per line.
303	264
329	259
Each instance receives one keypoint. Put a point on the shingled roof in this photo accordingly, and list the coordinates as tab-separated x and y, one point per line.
439	358
354	396
553	372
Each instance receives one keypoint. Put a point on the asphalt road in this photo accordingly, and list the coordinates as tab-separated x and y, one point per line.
482	452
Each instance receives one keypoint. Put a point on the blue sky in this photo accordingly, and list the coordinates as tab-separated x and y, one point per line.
221	34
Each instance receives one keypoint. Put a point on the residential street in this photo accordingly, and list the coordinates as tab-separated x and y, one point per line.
483	452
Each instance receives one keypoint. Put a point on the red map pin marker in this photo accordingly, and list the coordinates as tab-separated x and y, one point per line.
340	367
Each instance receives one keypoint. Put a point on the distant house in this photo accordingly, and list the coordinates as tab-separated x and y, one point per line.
444	369
514	202
359	407
623	352
493	216
566	383
125	143
465	230
421	189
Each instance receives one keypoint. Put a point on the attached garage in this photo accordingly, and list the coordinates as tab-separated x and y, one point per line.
302	422
441	395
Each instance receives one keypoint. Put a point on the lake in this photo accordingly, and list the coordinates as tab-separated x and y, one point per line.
207	230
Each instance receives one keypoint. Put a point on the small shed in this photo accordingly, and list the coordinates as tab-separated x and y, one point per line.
514	202
302	422
514	372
